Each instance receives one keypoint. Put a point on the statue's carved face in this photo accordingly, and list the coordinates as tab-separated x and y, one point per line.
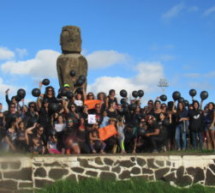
70	39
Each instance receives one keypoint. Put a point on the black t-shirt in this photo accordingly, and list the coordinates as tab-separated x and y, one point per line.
44	118
196	120
30	118
152	127
163	125
112	114
157	116
130	135
50	99
82	136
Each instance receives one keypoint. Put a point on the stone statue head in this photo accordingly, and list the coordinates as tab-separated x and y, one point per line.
70	39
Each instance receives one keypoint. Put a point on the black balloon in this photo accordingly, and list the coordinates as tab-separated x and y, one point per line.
72	73
21	93
170	105
204	95
69	95
79	82
163	97
79	90
123	93
181	100
186	103
135	94
140	93
18	98
192	92
82	77
46	82
36	92
54	107
176	95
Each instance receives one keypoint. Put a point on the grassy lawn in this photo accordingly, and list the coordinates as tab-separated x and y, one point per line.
131	186
172	152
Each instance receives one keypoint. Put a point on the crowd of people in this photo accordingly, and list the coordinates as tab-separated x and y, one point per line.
59	124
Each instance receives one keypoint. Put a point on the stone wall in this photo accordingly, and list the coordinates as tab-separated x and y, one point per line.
25	173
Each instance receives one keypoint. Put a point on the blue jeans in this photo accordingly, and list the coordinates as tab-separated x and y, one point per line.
197	140
180	136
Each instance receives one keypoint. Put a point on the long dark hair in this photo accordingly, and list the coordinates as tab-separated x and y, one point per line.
46	91
183	106
194	103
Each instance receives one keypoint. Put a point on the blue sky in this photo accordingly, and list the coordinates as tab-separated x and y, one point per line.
129	44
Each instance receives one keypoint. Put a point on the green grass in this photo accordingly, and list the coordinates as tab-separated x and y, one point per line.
131	186
172	152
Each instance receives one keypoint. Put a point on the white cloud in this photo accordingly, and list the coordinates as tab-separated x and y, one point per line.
105	58
4	87
209	11
174	11
147	78
6	54
149	73
43	65
178	9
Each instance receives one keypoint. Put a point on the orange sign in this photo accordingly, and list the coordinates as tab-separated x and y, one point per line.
107	132
91	103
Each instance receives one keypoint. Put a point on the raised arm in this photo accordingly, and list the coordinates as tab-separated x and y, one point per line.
29	131
7	97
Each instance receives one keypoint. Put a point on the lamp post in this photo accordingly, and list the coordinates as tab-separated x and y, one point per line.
163	84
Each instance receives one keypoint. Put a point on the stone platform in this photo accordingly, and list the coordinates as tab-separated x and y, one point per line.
24	173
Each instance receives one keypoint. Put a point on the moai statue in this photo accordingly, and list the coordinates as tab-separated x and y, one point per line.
71	65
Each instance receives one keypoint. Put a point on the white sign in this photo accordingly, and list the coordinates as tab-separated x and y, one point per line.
91	119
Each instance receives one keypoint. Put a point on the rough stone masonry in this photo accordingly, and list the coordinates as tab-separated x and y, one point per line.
25	173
